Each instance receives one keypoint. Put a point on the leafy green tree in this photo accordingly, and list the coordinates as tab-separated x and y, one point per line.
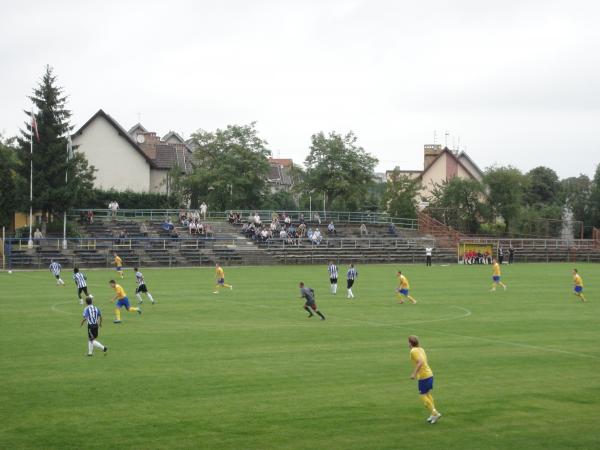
400	196
505	186
51	194
338	167
542	186
594	202
460	203
11	183
279	201
230	168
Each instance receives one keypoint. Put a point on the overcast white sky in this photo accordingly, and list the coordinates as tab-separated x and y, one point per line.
517	81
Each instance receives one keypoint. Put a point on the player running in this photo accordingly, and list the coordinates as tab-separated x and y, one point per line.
121	300
141	287
333	277
578	285
118	262
402	290
81	283
55	268
93	317
351	276
220	275
308	294
496	276
424	375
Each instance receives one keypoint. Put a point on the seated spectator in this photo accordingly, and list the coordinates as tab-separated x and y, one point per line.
207	230
309	233
287	220
363	230
301	218
392	229
200	228
283	234
144	229
167	225
301	230
331	228
90	216
192	227
257	220
317	218
316	237
231	217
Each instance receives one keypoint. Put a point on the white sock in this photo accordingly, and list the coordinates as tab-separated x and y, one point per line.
335	288
350	293
98	345
90	348
150	296
60	281
139	297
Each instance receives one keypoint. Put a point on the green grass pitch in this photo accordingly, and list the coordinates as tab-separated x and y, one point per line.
246	369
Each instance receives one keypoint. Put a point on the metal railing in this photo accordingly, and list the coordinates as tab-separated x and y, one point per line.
265	215
532	243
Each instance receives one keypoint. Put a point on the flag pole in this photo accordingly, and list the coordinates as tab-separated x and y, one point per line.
30	242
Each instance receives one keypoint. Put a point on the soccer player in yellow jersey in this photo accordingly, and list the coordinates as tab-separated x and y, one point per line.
402	290
424	375
118	262
578	285
220	274
496	276
121	301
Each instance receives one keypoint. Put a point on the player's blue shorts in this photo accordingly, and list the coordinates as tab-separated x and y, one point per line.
496	278
425	385
221	281
403	291
118	268
123	302
578	289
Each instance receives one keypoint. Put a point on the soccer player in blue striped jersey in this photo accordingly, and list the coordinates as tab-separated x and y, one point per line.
351	276
81	282
333	276
55	268
141	287
93	317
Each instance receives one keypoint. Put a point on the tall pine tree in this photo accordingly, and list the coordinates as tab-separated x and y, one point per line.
51	194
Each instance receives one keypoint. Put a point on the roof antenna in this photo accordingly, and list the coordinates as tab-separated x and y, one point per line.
458	147
434	137
446	134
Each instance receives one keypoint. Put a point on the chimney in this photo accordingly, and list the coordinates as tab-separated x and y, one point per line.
430	152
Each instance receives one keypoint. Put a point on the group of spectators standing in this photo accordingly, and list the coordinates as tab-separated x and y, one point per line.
478	257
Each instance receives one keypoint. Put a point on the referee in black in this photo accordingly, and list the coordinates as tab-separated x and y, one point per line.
93	317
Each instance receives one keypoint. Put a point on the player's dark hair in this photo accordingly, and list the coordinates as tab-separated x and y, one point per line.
88	300
575	270
112	282
413	341
302	284
75	269
135	268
